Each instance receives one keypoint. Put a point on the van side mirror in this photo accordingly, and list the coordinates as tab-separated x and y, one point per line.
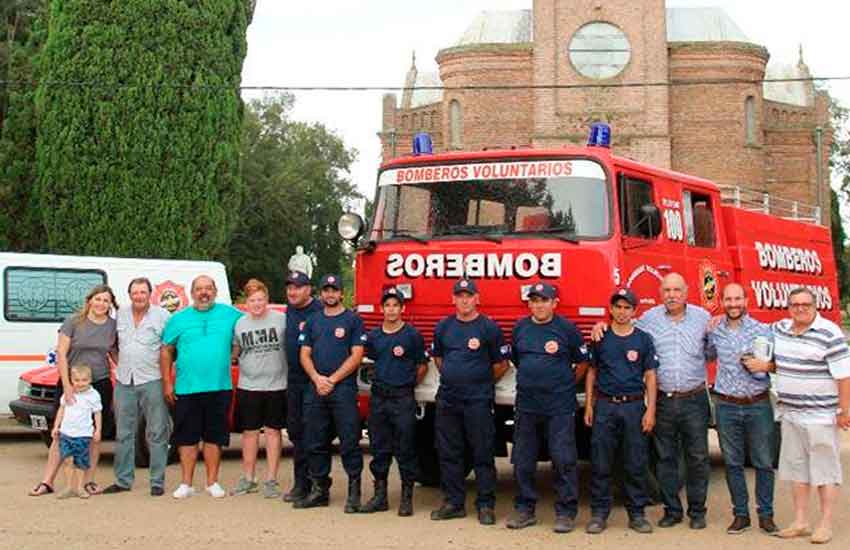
650	221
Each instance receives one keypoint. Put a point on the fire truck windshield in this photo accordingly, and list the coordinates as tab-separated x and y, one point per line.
566	198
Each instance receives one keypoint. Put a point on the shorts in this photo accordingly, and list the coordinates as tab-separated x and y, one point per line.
255	409
77	448
810	453
202	417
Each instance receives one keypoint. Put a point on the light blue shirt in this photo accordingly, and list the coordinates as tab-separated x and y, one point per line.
727	345
679	345
138	346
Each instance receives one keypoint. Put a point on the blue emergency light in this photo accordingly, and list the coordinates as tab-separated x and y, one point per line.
422	144
600	135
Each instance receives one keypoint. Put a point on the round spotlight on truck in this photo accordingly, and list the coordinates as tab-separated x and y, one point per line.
350	226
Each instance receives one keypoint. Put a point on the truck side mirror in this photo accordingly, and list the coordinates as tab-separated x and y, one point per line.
650	221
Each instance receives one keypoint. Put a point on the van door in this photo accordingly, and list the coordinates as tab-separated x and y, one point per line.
652	246
709	267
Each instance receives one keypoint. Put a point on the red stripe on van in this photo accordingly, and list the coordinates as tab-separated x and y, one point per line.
37	357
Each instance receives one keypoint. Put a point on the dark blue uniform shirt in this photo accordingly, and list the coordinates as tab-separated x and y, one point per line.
621	362
469	350
397	356
295	320
544	355
331	340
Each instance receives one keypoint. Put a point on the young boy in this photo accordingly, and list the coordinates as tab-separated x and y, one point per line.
75	429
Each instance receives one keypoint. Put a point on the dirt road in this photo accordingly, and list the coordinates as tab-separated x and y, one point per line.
136	520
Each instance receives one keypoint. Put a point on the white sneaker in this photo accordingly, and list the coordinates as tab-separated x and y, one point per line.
183	491
215	490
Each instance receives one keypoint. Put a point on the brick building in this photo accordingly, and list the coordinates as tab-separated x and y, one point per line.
735	131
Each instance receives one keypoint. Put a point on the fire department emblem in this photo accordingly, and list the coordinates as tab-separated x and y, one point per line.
474	343
464	284
708	281
301	325
538	287
551	346
632	355
398	351
169	295
339	332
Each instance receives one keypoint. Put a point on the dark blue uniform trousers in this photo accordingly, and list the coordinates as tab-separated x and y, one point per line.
392	432
559	432
461	422
295	431
615	424
321	413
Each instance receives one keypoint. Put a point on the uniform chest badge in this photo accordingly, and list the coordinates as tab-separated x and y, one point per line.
474	343
301	325
339	332
398	351
632	355
551	346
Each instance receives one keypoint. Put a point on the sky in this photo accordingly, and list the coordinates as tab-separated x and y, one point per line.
370	42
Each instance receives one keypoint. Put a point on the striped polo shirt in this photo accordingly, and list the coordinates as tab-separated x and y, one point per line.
807	367
679	345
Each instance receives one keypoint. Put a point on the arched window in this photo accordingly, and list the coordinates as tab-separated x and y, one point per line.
750	119
455	125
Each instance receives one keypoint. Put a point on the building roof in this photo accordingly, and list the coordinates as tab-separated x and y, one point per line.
426	97
498	27
702	25
798	92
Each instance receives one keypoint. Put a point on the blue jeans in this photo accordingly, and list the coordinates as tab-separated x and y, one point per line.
129	400
745	428
618	425
682	421
559	432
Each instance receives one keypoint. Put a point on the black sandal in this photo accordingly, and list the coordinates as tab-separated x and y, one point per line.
91	488
37	490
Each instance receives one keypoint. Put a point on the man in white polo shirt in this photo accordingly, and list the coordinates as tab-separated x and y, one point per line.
813	383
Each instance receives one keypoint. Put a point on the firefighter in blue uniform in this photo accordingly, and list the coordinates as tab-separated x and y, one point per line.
398	351
470	353
549	355
621	392
331	351
300	305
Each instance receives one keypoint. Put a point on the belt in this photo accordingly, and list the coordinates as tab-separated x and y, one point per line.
621	398
392	391
682	394
742	400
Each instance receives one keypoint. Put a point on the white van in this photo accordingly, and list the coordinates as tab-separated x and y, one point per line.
39	291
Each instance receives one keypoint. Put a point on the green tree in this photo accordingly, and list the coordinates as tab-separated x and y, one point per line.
139	120
839	162
295	190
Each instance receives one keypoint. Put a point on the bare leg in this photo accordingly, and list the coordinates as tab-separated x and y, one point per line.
54	462
250	446
828	495
188	458
801	493
94	457
273	446
70	479
212	460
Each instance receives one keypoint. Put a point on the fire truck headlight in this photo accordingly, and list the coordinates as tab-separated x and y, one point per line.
350	226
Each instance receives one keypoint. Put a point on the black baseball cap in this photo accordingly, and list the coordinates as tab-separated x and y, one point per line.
465	285
624	294
298	278
392	292
544	290
331	280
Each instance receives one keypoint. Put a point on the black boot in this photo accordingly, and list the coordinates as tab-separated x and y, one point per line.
299	491
319	495
405	507
378	503
352	504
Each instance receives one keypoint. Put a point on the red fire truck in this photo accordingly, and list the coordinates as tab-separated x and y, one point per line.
587	221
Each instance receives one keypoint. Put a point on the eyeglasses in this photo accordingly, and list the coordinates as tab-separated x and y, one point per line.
801	304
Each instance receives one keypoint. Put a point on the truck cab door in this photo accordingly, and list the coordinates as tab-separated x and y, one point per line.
652	240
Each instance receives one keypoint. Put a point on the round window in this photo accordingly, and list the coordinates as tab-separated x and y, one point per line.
599	50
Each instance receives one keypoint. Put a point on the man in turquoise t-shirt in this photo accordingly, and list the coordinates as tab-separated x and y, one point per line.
202	336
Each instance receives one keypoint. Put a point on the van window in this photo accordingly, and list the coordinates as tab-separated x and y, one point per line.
46	294
634	194
699	220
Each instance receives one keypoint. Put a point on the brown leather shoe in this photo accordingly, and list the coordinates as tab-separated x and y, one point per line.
739	525
767	526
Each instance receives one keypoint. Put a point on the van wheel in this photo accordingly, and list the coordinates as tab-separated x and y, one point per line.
143	455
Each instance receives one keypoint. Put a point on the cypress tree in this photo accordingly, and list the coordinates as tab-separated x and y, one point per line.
139	126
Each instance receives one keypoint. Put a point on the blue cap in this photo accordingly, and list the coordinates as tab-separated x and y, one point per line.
544	290
392	292
624	294
465	285
298	278
331	280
